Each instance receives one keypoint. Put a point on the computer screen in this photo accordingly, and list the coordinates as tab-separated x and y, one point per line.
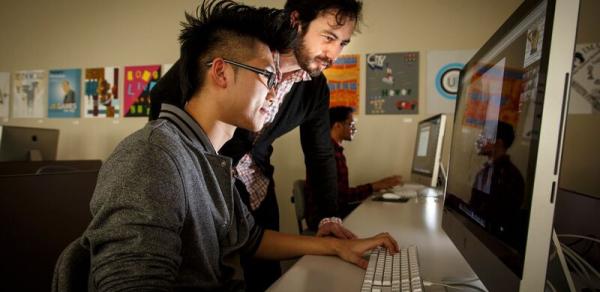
506	141
428	150
27	144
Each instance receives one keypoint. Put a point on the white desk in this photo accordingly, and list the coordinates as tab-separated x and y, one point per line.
416	222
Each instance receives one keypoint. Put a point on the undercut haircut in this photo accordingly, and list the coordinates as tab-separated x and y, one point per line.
226	29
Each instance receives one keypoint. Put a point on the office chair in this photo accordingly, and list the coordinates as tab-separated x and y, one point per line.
72	269
299	201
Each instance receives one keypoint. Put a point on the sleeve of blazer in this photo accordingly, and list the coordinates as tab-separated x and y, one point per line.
318	152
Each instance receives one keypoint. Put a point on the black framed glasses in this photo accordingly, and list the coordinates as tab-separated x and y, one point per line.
271	77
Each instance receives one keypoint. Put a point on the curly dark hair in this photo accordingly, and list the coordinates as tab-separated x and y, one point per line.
308	10
224	28
221	28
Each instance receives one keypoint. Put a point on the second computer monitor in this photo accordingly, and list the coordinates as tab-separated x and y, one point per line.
428	150
27	144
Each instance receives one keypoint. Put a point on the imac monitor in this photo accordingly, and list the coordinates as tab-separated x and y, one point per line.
428	151
27	144
506	141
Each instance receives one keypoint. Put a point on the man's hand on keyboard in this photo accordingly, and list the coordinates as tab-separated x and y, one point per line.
386	183
336	230
352	250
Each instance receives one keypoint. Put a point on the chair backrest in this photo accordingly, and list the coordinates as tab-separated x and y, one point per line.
72	269
299	201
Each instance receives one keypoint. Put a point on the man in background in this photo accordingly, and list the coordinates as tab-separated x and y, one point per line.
343	128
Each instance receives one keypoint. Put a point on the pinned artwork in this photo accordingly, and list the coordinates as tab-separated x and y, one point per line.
64	93
533	46
4	94
139	81
343	79
585	88
443	70
30	94
102	93
393	83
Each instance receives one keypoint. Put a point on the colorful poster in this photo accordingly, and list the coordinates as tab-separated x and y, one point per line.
102	93
139	80
30	94
64	93
443	70
393	83
4	94
585	88
343	79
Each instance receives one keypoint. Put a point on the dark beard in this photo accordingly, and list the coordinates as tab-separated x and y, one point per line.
300	52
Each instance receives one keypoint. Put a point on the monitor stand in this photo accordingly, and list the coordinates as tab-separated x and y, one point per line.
35	155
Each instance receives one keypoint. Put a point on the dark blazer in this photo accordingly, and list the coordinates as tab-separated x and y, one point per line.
307	106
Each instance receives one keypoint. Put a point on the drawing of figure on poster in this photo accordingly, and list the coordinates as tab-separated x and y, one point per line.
64	89
585	93
30	93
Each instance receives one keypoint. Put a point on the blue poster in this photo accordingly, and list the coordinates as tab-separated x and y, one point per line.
64	93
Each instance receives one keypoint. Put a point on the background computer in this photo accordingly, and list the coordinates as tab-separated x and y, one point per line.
428	151
27	144
505	153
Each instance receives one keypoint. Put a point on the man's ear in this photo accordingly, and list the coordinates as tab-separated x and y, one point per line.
216	72
337	125
294	19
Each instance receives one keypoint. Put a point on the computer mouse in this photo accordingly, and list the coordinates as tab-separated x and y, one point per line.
391	196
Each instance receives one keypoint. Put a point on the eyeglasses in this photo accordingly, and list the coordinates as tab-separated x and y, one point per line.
271	77
352	125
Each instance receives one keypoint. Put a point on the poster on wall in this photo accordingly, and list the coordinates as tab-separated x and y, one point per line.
443	70
585	87
139	80
64	93
343	79
30	94
392	83
101	90
4	94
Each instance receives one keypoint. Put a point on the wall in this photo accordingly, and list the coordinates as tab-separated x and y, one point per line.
70	33
580	160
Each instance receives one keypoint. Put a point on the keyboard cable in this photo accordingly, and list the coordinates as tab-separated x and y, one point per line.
453	286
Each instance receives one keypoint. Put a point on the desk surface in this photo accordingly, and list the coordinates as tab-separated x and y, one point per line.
416	222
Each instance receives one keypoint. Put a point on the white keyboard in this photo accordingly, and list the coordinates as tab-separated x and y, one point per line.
397	273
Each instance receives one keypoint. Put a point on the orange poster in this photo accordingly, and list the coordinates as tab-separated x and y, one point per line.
343	78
